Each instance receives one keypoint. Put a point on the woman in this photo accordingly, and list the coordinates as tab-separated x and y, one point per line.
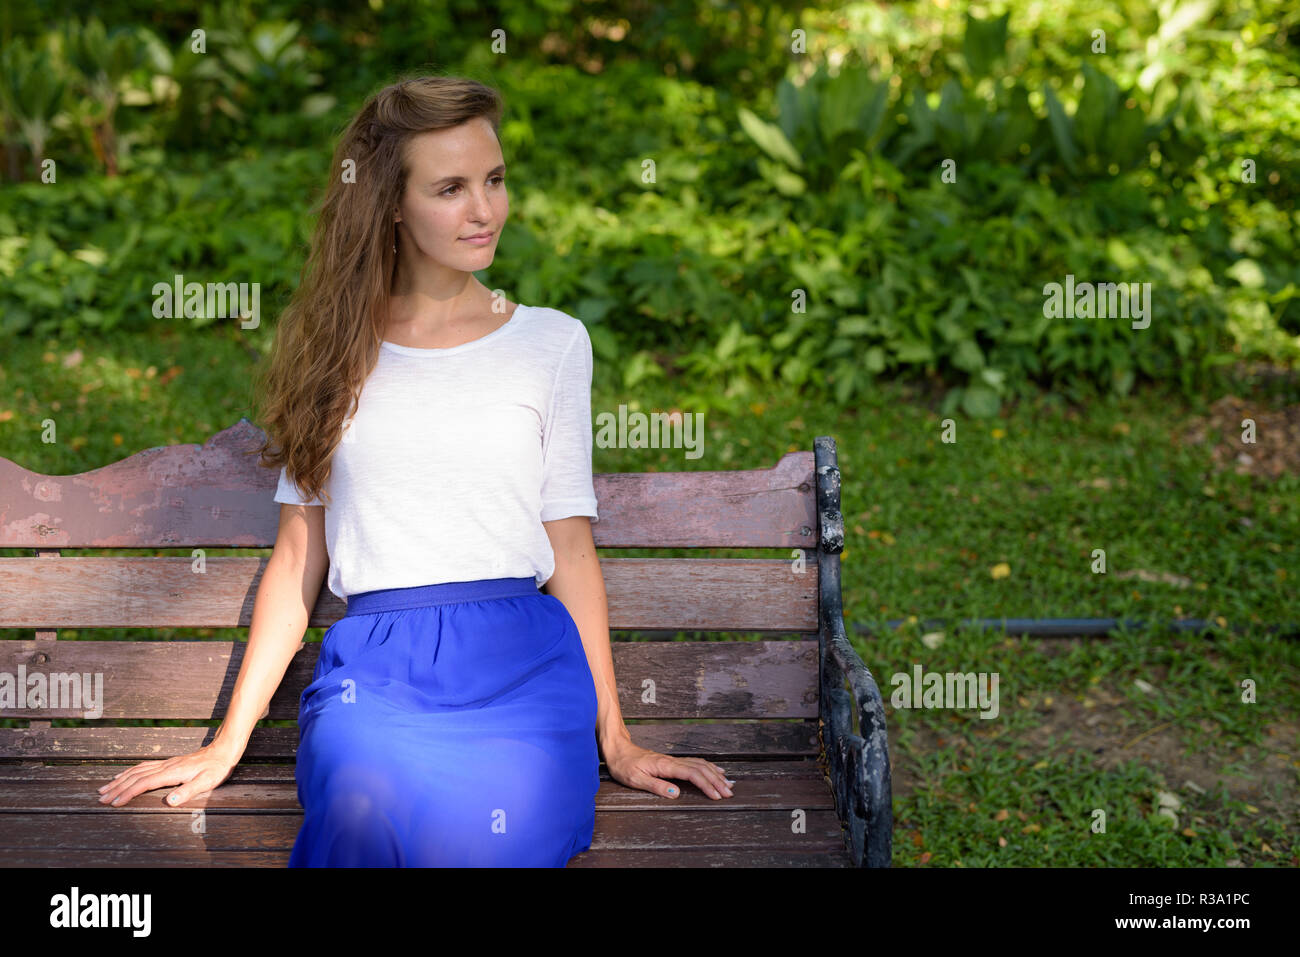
455	710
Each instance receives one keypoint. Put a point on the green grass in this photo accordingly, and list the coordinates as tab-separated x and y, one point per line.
926	524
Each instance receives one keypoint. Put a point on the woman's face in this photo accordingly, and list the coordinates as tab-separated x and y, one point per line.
455	190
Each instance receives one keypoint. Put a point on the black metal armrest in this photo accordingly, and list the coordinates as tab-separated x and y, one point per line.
852	715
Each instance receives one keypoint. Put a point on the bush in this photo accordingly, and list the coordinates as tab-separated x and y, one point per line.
901	213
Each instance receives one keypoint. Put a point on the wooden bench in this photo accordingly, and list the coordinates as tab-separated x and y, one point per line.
797	722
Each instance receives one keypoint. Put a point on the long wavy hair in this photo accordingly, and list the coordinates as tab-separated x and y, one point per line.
327	339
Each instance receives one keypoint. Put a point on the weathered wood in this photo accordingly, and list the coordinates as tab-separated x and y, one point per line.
714	857
724	740
752	791
701	828
101	770
195	679
694	828
728	858
755	707
687	594
216	495
781	813
150	857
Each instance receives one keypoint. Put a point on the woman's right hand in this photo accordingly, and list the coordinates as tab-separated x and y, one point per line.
196	773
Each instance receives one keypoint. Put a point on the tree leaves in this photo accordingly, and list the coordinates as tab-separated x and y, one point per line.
769	138
984	43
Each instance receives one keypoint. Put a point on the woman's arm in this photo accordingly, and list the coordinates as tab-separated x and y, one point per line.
285	597
578	583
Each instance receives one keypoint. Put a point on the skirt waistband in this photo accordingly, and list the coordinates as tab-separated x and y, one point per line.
443	593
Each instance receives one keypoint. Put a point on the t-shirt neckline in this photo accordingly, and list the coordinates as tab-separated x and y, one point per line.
464	346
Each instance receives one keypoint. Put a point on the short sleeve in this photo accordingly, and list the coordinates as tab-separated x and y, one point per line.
287	492
567	486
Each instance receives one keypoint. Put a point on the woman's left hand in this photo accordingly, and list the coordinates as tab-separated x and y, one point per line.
640	768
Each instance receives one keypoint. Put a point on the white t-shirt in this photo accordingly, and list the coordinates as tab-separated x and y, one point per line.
454	458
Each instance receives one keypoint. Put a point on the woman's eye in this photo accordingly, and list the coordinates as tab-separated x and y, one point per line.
500	180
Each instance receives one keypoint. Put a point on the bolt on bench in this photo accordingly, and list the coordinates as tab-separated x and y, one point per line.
782	717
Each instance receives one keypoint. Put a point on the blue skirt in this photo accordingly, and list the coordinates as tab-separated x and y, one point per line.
448	725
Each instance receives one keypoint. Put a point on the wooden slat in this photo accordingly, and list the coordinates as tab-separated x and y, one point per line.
729	858
149	857
782	814
718	857
766	739
691	828
246	773
110	828
194	679
48	793
216	495
688	594
81	797
701	828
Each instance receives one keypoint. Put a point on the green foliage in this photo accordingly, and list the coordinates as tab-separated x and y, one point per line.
898	212
984	42
31	93
1108	131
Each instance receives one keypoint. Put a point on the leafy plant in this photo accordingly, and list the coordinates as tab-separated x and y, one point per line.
104	59
31	93
1108	132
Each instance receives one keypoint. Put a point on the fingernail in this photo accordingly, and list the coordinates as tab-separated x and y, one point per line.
172	798
673	792
729	781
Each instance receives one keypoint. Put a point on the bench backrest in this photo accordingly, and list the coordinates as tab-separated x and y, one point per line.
215	496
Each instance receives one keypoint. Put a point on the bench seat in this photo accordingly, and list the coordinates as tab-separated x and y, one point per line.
53	819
